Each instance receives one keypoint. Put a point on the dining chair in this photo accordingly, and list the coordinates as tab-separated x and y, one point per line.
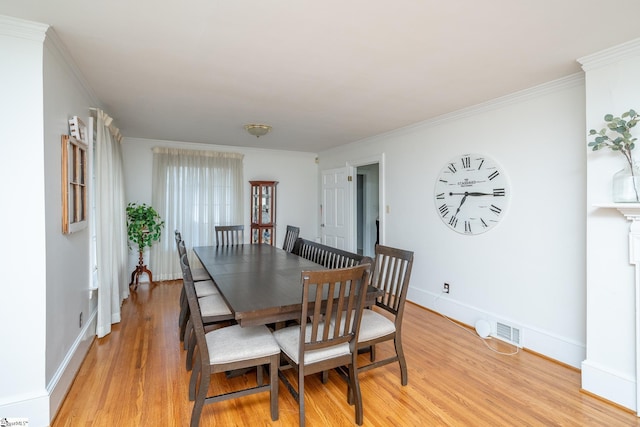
391	274
229	235
227	349
204	288
213	310
315	346
290	237
199	273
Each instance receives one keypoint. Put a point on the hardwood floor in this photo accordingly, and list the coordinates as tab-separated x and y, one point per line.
136	377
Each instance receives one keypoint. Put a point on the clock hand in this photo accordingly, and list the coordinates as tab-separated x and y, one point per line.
461	202
471	194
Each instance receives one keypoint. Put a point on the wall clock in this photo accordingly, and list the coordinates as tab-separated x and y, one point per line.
471	194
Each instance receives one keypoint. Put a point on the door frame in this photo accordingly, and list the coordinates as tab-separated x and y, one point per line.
352	166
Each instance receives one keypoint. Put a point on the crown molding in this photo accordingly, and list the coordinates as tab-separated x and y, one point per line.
20	28
53	43
605	57
553	86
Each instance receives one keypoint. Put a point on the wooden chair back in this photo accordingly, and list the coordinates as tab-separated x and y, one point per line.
290	237
391	273
182	249
340	294
229	235
192	298
348	286
325	255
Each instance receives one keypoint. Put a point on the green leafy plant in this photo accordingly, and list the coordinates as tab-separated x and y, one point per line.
617	135
144	225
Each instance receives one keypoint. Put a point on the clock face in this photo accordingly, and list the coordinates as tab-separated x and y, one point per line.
471	194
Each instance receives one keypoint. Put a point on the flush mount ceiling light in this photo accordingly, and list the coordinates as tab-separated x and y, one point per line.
257	130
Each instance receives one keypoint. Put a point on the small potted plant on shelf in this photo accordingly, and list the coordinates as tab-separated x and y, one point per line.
617	136
144	227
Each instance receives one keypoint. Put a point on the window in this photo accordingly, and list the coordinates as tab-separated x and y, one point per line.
74	184
193	191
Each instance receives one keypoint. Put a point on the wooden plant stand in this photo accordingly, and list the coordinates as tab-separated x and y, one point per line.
141	269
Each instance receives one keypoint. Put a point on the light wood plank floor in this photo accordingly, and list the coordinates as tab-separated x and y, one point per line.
136	377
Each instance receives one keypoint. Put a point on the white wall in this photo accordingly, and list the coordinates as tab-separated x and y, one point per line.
68	264
612	86
45	277
296	173
529	270
23	290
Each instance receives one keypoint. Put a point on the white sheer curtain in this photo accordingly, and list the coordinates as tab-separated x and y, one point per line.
111	233
193	191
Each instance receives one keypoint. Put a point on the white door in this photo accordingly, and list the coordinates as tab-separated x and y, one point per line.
336	208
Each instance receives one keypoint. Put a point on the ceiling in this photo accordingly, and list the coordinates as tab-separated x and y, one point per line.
323	73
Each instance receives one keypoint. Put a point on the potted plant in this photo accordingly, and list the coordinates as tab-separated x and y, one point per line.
144	227
617	136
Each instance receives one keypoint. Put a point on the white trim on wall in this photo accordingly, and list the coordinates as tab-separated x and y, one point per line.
15	27
553	346
606	57
574	80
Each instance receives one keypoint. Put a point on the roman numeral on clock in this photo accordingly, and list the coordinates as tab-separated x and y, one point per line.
452	168
444	210
498	191
453	221
496	210
440	196
466	162
494	175
467	227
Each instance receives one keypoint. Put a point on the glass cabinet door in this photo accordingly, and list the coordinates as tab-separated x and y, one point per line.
255	204
266	236
267	208
263	211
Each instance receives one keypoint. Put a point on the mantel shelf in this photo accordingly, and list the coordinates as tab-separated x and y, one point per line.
630	210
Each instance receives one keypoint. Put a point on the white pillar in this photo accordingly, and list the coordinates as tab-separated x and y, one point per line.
631	211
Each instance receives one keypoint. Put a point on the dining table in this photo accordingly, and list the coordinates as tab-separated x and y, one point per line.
260	283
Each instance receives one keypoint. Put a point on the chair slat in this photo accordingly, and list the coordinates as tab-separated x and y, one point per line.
229	235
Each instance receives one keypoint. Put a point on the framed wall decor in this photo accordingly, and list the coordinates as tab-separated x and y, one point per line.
74	184
78	129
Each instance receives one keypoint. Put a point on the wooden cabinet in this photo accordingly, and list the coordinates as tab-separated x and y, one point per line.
263	211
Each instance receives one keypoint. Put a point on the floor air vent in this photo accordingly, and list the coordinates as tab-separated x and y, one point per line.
508	333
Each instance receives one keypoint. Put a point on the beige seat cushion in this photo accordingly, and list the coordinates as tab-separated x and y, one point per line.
199	273
213	305
205	288
289	338
374	325
235	343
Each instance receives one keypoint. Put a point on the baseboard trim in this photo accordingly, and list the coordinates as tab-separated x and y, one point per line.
34	407
544	343
61	382
41	408
612	386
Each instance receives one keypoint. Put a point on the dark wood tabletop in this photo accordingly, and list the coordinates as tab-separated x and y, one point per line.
260	283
